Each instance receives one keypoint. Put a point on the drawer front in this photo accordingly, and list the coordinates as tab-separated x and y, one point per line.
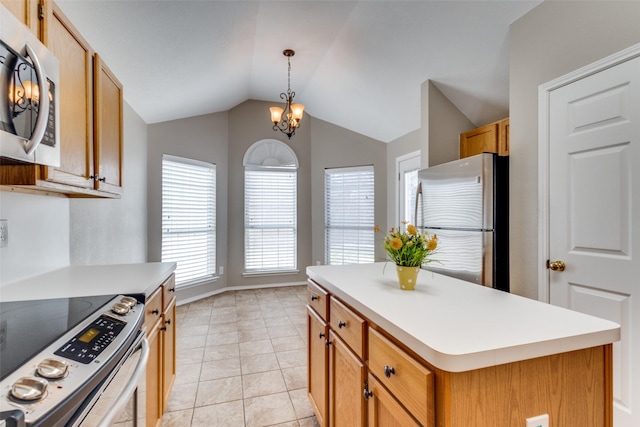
409	381
348	325
168	291
318	298
153	309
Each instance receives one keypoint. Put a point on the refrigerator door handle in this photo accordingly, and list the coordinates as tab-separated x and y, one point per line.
418	201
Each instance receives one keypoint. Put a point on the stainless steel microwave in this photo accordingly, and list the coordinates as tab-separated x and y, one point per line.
29	117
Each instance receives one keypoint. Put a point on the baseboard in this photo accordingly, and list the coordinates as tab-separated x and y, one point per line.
237	288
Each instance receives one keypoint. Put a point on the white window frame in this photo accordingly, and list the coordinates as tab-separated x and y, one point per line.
340	209
271	234
406	165
189	219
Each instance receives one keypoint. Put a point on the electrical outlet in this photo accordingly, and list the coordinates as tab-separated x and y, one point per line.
539	421
220	270
4	233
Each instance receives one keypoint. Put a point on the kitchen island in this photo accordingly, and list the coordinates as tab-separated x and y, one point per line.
482	357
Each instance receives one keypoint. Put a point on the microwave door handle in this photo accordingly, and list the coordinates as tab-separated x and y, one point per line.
128	390
43	113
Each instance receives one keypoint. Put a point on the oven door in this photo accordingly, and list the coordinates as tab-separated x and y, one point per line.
117	398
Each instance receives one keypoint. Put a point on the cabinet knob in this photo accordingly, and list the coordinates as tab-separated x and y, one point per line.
388	371
94	177
164	328
155	311
172	289
103	179
327	343
322	335
167	322
367	394
341	324
314	298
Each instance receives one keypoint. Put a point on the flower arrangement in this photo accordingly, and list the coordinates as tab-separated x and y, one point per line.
409	248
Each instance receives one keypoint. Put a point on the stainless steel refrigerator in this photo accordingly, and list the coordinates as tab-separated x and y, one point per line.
466	203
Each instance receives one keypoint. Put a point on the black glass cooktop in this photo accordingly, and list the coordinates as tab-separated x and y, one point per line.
27	327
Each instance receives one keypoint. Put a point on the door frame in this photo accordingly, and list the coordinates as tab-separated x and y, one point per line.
400	159
544	99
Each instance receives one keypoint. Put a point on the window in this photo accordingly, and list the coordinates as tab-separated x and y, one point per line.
189	218
349	215
270	208
407	167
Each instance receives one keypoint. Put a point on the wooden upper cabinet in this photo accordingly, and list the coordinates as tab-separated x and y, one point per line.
75	100
26	11
491	138
107	128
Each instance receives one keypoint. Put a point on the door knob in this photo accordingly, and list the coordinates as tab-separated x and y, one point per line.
556	265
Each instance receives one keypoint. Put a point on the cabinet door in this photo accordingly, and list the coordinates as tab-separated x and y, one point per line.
107	128
347	376
383	409
318	365
168	350
26	11
154	377
481	140
75	101
503	149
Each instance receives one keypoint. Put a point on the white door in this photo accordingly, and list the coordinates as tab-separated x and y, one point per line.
407	167
594	212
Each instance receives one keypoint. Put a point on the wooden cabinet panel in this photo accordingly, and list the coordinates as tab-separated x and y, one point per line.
75	101
168	291
318	298
26	11
383	410
318	366
153	309
168	350
153	397
348	325
408	380
491	138
347	376
107	128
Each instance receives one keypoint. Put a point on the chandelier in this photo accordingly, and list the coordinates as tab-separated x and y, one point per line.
287	119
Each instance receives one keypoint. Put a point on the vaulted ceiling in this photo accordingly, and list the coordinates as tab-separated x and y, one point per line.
358	64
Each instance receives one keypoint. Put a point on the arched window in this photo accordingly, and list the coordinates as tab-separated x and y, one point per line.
270	213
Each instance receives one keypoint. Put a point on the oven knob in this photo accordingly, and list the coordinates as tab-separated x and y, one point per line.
29	388
131	302
53	369
120	308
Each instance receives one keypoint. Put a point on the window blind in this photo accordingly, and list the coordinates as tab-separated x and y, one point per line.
270	221
189	218
349	215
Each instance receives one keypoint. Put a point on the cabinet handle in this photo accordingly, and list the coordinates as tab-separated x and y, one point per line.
322	335
103	179
388	371
167	322
94	177
367	394
164	328
155	311
327	343
314	298
341	324
172	289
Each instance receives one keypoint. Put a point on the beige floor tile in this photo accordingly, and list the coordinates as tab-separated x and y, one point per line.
288	343
193	331
263	383
220	328
222	338
292	358
268	410
253	323
255	347
177	418
220	369
229	414
198	311
189	355
189	342
277	321
288	424
187	373
259	363
301	403
182	397
309	422
219	391
189	322
295	378
219	352
258	334
282	331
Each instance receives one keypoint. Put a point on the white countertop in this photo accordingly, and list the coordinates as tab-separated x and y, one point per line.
77	281
459	326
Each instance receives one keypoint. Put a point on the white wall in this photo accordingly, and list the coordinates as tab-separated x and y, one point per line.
553	39
51	232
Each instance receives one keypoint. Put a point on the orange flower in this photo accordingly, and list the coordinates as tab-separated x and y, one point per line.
432	244
396	243
411	229
376	229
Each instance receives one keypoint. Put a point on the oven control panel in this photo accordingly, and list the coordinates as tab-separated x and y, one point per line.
80	361
91	341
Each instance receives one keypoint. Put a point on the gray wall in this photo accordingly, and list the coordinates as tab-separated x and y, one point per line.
202	138
553	39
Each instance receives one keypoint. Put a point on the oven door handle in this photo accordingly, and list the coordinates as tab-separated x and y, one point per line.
126	394
43	113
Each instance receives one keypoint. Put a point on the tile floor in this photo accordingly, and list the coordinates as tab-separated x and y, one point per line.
241	361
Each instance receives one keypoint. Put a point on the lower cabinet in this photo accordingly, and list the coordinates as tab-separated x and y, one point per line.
318	365
383	410
160	320
347	377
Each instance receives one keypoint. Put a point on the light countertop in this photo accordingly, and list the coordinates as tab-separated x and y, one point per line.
77	281
459	326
